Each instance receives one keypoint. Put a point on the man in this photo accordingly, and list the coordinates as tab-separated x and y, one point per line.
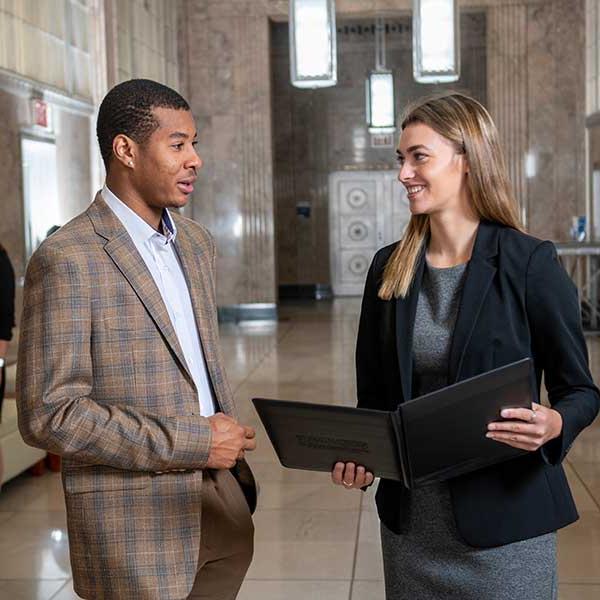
120	372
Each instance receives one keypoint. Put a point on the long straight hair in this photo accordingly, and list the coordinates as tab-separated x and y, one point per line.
469	127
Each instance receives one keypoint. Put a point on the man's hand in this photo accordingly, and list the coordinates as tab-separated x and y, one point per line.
230	440
526	429
351	476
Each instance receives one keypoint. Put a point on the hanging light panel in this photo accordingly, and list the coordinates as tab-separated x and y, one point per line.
313	49
436	41
381	117
380	102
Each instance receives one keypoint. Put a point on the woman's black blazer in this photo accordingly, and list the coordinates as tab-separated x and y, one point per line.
517	301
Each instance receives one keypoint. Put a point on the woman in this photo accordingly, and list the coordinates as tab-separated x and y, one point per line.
466	291
7	322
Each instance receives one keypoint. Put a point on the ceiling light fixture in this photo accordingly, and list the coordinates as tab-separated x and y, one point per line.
436	41
381	114
313	47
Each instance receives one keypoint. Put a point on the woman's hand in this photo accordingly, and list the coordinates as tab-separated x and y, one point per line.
526	429
351	476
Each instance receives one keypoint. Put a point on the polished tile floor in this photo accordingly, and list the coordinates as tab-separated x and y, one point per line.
313	540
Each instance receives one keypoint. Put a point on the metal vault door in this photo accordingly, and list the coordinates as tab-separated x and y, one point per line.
367	210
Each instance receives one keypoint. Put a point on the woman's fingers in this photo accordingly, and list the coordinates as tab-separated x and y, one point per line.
522	414
363	477
350	475
516	441
516	427
338	473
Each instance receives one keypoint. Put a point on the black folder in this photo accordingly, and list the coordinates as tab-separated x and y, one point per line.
430	438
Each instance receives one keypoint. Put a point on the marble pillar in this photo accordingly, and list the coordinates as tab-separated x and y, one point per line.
536	92
556	115
507	90
229	88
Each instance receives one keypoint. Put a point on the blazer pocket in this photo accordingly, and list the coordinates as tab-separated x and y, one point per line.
99	478
121	324
133	328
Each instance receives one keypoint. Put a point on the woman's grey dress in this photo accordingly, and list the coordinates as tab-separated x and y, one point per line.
430	561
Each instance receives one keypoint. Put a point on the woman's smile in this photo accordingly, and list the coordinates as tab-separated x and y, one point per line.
414	190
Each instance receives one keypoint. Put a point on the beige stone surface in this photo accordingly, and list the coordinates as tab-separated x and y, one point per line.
313	540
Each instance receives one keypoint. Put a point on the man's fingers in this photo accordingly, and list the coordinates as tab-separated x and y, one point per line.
369	478
250	432
223	416
250	445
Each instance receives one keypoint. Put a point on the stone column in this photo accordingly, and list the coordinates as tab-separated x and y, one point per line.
536	94
229	87
507	89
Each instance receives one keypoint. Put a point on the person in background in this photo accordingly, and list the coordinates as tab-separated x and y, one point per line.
7	322
465	291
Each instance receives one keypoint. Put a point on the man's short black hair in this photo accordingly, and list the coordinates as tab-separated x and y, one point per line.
127	109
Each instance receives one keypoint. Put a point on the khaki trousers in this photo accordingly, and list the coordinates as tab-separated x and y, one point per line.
227	539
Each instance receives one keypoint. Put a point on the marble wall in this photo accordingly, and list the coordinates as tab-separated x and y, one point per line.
592	59
228	83
68	53
48	42
317	132
72	137
535	91
222	63
555	93
142	40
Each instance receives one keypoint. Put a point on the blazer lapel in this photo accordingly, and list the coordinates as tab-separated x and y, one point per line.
124	254
478	279
200	291
406	311
196	267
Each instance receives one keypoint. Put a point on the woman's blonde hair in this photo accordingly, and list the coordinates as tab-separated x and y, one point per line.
468	125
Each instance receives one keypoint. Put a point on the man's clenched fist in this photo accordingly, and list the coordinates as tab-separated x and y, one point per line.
229	441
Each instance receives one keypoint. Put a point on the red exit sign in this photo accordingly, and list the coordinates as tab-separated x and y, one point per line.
41	113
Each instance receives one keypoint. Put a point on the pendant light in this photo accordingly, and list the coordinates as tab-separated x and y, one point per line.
381	114
436	41
313	47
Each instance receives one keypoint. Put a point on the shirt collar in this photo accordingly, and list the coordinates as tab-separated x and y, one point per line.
137	228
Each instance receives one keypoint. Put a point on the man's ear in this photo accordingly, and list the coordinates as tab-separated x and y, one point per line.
124	150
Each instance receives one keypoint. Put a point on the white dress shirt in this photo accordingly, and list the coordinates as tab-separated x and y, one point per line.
160	255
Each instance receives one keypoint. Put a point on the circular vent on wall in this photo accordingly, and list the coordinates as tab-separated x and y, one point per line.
357	198
358	265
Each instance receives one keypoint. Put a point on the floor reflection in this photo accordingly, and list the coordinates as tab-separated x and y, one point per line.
313	541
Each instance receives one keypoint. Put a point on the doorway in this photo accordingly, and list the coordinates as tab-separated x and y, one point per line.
41	205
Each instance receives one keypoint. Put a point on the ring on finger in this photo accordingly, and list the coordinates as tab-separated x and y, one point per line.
346	484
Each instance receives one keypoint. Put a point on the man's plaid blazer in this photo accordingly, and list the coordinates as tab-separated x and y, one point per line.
103	382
